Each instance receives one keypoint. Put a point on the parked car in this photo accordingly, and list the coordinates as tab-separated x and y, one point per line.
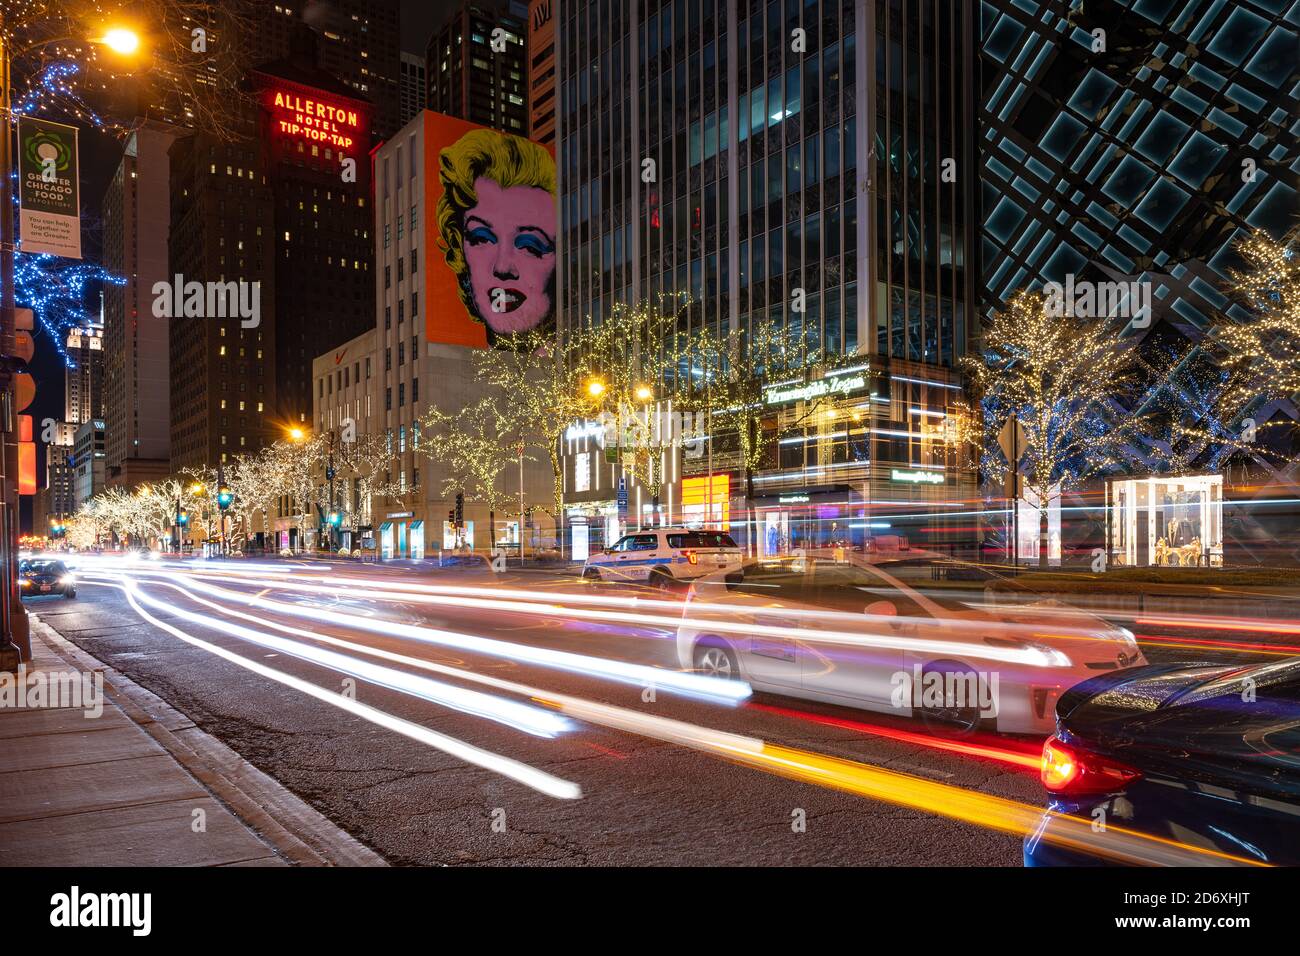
908	623
1207	756
666	556
45	578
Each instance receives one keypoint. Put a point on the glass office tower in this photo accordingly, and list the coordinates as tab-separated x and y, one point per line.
1146	159
1139	140
817	145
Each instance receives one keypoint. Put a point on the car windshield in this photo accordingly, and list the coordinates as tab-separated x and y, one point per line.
44	567
701	539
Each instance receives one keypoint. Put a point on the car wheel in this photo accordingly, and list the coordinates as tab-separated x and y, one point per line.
71	593
662	580
715	659
951	718
591	574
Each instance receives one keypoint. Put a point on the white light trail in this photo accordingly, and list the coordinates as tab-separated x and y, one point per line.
529	776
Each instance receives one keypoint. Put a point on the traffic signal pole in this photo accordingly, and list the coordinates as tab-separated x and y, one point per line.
14	628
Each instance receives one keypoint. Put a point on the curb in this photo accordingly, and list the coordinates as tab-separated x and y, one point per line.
295	830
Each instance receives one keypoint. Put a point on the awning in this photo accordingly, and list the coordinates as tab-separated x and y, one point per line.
417	525
386	526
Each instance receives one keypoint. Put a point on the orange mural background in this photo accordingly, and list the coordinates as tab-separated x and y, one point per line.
446	320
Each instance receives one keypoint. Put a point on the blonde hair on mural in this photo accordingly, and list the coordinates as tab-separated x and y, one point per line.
506	159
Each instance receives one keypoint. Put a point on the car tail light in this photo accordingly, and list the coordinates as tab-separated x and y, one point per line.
1070	771
691	556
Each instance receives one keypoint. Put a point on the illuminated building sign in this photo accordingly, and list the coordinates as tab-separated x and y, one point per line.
301	117
793	500
917	477
831	385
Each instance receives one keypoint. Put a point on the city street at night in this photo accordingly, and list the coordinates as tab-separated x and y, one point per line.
492	461
628	780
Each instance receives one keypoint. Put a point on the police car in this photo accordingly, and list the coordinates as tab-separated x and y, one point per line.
664	556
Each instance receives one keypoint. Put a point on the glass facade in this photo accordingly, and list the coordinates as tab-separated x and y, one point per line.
717	148
1146	159
755	154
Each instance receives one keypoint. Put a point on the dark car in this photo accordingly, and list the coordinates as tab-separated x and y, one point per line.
1206	756
43	578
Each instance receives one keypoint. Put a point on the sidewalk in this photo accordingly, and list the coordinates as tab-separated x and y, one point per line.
139	784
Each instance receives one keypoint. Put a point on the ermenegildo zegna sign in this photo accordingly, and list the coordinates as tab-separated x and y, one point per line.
48	194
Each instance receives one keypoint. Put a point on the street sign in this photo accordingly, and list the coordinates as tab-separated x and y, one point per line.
1012	440
48	188
622	498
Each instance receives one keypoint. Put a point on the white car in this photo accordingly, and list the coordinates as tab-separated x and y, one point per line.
664	556
942	640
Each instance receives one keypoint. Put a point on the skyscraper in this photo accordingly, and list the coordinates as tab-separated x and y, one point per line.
745	152
283	213
84	378
136	400
1134	140
541	71
414	87
359	43
470	79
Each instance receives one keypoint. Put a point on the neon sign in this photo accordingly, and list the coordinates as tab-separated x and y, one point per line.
315	120
917	477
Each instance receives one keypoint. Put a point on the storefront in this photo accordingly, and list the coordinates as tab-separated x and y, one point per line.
401	537
830	516
1165	522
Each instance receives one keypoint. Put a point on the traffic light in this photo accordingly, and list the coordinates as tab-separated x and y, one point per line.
460	508
183	516
336	518
224	497
451	516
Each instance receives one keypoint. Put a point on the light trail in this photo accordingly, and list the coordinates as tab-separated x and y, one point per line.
538	780
860	779
1218	623
1016	758
521	717
890	786
1232	647
695	685
714	617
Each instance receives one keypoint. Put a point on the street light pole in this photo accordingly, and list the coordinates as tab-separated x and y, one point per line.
13	618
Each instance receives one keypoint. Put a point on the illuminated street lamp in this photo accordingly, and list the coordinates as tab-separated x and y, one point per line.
595	388
121	40
644	393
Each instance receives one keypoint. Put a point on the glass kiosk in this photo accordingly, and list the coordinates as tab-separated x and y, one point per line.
1165	522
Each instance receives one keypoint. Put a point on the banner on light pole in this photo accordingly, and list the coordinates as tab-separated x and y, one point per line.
48	190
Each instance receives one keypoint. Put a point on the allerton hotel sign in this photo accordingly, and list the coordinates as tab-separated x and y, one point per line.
295	116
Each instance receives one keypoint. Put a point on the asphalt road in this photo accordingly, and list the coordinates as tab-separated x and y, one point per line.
647	798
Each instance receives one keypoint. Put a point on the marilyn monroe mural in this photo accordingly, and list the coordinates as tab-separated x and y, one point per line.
497	228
